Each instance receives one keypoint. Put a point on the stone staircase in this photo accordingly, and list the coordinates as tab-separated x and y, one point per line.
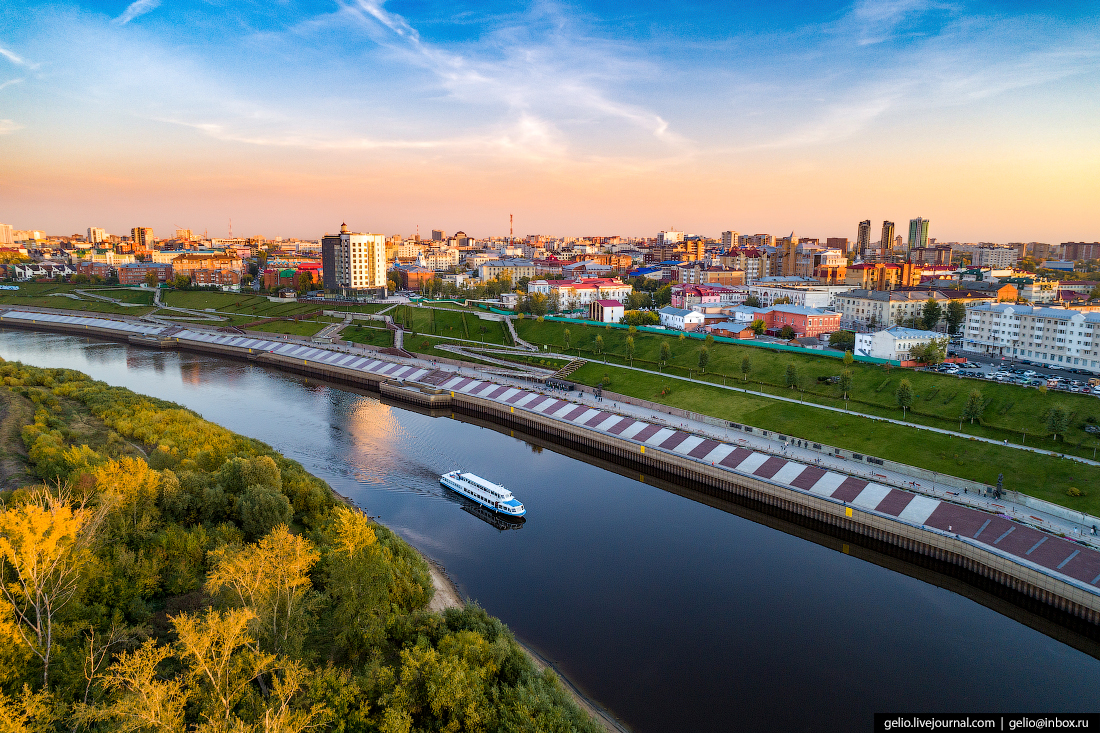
568	369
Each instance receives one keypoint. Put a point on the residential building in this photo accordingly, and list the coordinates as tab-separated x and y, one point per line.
1048	336
887	237
863	238
354	261
93	269
918	233
97	235
136	272
696	273
757	240
33	270
805	321
881	275
606	311
937	255
222	278
840	243
142	237
1071	250
1035	290
7	239
690	296
514	269
753	261
894	343
184	235
188	261
730	240
438	235
680	319
670	237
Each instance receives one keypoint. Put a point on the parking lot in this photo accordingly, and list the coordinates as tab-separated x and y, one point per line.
1019	372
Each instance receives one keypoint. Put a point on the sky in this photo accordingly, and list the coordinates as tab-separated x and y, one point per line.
288	117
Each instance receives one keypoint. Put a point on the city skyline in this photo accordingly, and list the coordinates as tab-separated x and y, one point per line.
597	118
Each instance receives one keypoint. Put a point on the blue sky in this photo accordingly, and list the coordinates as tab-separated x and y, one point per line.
600	116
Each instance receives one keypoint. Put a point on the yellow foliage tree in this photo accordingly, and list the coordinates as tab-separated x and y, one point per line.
271	579
142	700
131	488
31	712
43	544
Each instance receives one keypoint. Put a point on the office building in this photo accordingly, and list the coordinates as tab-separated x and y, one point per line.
918	233
96	235
438	235
863	237
142	237
354	261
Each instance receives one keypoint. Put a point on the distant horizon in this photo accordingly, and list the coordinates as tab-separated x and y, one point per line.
589	116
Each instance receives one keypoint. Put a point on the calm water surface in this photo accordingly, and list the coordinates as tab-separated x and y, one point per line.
672	614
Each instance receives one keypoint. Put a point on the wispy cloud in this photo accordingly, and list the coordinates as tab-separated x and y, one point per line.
16	58
9	126
136	8
10	82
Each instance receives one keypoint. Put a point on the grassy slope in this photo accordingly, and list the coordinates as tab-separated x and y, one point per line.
938	399
1045	477
65	303
297	328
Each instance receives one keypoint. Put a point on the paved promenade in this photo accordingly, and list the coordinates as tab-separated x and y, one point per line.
998	526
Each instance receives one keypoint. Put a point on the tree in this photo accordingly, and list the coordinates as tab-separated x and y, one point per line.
746	367
666	352
709	341
846	383
848	358
933	352
904	396
43	547
181	281
262	508
305	282
973	408
791	376
1057	421
787	332
598	346
704	358
758	326
630	348
845	340
270	578
144	699
956	315
931	314
151	278
356	581
566	338
752	301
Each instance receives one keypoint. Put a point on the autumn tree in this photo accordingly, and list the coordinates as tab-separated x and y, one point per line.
598	347
357	582
630	348
141	698
666	352
271	579
746	367
44	543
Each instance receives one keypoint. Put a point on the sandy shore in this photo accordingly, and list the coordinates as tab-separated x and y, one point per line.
447	596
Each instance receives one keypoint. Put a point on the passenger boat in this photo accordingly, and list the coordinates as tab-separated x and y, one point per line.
489	495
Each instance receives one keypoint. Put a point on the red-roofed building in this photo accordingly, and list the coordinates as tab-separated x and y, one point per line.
580	293
606	311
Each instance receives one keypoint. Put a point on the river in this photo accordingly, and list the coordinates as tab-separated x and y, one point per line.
672	614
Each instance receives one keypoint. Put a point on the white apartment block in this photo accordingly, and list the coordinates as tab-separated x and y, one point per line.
893	343
1040	291
574	294
6	237
1052	336
97	235
882	308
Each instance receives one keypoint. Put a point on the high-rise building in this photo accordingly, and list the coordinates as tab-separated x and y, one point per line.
96	235
918	233
840	243
438	235
887	240
142	237
7	239
184	235
863	237
354	261
730	239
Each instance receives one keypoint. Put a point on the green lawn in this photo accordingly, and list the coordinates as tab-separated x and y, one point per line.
128	295
370	335
1045	477
46	301
296	328
1010	410
453	323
